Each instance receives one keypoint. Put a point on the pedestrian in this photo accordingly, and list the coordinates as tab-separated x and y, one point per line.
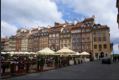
118	58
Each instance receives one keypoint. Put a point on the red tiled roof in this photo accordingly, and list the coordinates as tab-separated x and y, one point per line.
103	26
59	25
31	34
17	35
27	31
35	29
80	24
88	19
24	35
18	30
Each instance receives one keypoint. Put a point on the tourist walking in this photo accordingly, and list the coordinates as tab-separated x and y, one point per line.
118	58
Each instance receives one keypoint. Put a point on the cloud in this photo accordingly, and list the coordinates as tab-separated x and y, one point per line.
116	49
7	29
105	12
30	13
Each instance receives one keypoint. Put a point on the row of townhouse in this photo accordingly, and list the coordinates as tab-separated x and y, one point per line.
78	36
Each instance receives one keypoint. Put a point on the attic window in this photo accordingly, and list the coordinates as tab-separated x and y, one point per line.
77	24
84	25
55	29
88	24
98	26
67	30
94	26
64	31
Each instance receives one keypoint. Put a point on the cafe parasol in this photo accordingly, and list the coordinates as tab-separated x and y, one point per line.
46	51
84	53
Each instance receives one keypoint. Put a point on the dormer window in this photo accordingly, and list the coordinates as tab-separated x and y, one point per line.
42	33
88	24
67	30
87	30
98	26
77	24
84	25
83	30
64	31
94	26
55	29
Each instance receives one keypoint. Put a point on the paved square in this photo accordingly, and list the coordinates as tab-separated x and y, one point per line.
87	70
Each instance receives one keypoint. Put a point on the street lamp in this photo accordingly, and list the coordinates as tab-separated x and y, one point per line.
113	52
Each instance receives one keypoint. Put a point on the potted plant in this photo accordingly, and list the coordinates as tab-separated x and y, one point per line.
56	61
41	63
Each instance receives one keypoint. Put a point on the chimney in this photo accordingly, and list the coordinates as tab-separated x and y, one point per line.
7	37
66	22
84	18
56	23
93	17
75	21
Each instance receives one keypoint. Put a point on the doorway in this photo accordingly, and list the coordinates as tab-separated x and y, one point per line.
96	55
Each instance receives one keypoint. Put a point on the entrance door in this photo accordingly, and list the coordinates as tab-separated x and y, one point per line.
96	55
102	54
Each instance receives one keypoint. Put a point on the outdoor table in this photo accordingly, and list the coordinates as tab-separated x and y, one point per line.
49	63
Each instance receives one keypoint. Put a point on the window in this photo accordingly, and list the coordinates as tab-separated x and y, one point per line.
83	35
67	30
94	32
53	41
46	38
69	35
94	39
98	26
74	31
83	30
88	46
69	41
87	40
104	38
65	41
50	35
78	30
69	46
74	36
78	36
94	27
79	47
100	46
95	46
61	41
105	46
55	29
65	45
53	35
57	41
99	38
45	42
64	31
83	46
99	32
88	24
61	46
88	34
57	47
103	31
57	35
49	41
61	36
84	25
74	41
83	40
87	30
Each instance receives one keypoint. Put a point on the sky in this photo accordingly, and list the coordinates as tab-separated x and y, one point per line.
16	14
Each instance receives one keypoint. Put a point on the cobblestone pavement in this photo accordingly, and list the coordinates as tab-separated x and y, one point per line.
87	70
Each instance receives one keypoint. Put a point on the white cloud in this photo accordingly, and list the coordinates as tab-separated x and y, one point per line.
116	49
7	29
105	12
30	13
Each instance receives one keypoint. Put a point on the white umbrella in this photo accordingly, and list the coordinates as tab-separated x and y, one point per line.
3	52
16	52
46	51
26	53
84	53
65	50
20	53
11	52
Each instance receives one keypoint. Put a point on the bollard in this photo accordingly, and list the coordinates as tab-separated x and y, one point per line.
38	65
74	61
68	61
59	61
27	69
